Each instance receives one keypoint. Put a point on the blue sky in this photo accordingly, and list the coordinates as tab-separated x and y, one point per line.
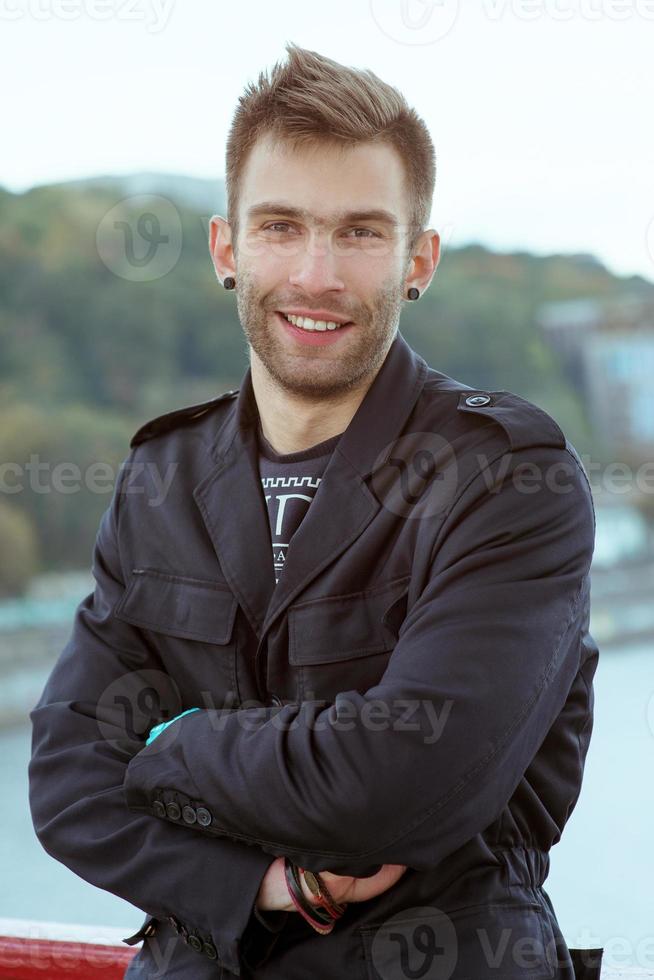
540	110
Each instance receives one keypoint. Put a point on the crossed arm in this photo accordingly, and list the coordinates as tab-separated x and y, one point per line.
492	643
273	894
494	634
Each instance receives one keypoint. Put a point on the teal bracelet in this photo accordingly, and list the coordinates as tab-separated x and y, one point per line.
157	730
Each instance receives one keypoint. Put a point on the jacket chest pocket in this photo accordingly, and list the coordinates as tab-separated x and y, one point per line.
343	643
192	622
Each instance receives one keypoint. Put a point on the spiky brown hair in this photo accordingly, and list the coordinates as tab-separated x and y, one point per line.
312	99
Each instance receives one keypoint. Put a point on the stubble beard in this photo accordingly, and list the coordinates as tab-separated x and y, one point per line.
319	372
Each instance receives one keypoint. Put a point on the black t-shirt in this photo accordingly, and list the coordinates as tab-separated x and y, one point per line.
289	485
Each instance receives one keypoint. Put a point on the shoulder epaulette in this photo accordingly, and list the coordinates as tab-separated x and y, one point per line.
163	423
524	423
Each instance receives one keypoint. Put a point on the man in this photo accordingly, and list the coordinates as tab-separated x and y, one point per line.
352	641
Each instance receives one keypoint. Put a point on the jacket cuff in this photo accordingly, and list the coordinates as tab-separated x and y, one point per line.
273	921
260	936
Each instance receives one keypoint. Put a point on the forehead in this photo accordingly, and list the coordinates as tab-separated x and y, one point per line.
324	179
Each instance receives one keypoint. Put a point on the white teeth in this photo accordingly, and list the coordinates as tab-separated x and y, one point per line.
306	323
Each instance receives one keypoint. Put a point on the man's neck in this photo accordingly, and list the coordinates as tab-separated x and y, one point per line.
292	424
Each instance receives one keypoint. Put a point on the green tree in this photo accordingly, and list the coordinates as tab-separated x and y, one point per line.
19	548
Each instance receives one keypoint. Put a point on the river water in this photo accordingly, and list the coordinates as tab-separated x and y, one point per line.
602	871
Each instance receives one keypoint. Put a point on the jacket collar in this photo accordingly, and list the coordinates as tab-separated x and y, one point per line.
232	504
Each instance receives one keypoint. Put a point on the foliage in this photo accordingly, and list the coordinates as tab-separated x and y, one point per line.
20	549
87	355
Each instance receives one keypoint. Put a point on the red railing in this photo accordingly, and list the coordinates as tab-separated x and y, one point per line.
58	951
32	950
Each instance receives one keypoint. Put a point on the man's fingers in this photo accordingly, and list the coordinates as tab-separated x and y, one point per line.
361	889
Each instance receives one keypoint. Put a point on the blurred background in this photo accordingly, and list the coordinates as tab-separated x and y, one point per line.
115	121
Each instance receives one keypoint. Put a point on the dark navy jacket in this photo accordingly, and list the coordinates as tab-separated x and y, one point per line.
416	690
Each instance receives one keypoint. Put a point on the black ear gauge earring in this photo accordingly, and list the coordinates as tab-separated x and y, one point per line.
229	282
413	293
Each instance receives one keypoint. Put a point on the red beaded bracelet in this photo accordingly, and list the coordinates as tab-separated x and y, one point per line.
319	890
321	916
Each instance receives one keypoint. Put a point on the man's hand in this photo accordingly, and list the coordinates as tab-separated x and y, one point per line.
273	894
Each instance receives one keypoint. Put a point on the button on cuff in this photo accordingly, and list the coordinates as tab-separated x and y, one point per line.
210	950
173	810
189	814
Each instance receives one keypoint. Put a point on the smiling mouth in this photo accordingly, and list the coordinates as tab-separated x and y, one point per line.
313	326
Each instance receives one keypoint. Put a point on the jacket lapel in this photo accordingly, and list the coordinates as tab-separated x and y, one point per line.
232	502
233	507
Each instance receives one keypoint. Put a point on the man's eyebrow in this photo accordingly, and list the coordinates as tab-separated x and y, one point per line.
337	217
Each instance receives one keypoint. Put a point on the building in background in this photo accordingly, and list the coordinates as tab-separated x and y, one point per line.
607	351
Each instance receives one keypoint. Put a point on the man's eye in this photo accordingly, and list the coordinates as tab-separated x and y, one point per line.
276	224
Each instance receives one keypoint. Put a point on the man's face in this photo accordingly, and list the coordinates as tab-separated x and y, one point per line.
317	258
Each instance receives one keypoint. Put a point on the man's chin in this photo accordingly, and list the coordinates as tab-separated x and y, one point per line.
312	377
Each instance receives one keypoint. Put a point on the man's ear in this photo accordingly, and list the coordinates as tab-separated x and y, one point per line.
424	261
220	247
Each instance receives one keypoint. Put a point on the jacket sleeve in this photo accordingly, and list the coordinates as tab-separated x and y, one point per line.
419	764
102	696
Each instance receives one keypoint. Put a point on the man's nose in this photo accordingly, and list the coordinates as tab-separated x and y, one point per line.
316	267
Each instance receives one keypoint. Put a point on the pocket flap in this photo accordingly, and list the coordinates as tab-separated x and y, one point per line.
344	627
195	609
